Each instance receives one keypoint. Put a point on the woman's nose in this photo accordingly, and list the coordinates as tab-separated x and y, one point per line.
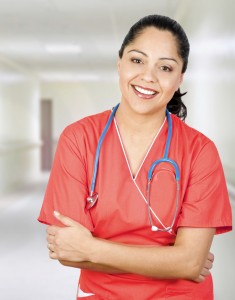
149	74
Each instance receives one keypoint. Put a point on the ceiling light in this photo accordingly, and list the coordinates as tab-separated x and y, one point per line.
61	49
50	76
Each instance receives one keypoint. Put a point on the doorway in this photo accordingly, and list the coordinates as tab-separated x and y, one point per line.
46	135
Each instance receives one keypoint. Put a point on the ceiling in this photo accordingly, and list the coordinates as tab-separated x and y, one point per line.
79	39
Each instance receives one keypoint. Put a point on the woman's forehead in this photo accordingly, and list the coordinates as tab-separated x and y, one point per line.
154	39
153	34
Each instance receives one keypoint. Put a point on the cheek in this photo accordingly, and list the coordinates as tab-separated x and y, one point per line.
125	77
123	82
168	88
171	85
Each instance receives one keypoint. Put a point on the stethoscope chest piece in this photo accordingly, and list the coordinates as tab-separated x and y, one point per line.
91	201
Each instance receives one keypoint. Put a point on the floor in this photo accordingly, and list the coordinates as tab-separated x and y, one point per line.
26	272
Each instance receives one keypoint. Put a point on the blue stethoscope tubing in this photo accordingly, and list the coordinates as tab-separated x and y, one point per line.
97	154
93	197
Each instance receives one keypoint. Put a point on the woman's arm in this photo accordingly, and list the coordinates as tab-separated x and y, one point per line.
184	260
86	265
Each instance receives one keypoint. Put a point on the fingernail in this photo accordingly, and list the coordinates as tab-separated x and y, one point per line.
56	213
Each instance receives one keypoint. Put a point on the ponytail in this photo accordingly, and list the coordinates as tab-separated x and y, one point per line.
176	105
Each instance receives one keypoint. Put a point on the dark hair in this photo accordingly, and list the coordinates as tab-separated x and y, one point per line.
175	105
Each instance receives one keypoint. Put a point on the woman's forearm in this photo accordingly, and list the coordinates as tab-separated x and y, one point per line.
184	260
161	262
87	265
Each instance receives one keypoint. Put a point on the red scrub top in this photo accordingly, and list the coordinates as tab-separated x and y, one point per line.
121	213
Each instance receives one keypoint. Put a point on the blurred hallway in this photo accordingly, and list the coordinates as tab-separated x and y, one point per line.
51	51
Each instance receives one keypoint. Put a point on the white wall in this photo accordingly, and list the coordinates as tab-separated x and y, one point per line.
75	100
210	83
19	126
211	106
210	79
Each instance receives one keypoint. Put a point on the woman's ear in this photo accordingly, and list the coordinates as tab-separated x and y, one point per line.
181	79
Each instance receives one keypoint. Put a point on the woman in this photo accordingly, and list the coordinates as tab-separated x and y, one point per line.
146	234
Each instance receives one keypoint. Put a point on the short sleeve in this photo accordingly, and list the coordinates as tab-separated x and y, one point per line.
67	187
206	202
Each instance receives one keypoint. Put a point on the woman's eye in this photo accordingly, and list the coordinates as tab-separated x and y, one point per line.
166	68
136	60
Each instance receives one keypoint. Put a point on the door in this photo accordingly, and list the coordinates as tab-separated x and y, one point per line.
46	135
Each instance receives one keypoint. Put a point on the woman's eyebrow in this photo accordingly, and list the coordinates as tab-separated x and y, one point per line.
161	58
169	58
138	51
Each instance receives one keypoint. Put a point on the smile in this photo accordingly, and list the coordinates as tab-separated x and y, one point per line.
144	91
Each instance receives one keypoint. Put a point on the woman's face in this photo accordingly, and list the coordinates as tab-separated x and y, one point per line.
150	71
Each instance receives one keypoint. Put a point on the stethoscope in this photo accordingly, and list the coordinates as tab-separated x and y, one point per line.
93	196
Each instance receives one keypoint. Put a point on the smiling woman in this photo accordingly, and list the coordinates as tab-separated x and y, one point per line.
150	71
139	193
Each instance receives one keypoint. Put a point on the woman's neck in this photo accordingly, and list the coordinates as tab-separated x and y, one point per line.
137	132
139	124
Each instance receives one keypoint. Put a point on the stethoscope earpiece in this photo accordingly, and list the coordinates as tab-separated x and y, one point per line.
154	228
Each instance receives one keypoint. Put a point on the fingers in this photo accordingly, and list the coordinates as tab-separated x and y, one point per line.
211	257
50	239
53	238
51	247
205	272
206	269
52	230
64	220
53	255
200	279
208	264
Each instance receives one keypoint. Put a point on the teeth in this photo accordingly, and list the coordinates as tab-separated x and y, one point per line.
143	91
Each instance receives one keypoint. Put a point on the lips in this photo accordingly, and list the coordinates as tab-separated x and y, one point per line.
144	92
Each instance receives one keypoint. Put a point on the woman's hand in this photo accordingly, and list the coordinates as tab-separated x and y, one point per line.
206	269
70	243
